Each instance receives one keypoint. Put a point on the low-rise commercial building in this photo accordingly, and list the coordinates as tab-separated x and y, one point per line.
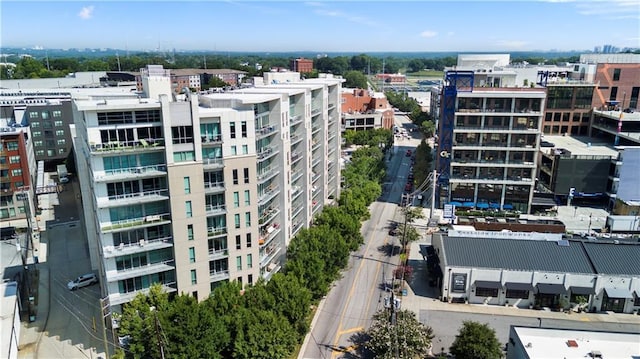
530	270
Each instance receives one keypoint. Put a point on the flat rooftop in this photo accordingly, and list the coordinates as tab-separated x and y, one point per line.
580	146
574	344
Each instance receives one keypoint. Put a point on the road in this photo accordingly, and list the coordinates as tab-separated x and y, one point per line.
351	303
68	323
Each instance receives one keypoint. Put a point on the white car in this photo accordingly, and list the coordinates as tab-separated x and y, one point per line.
82	281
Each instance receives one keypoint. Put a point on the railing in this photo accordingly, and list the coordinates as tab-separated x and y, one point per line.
268	214
297	207
211	139
296	227
316	162
271	270
295	156
118	146
295	175
295	138
157	192
316	111
265	131
149	268
315	128
295	119
212	162
296	190
133	222
269	254
267	174
215	209
135	247
267	152
213	186
218	253
119	298
268	234
218	275
268	193
216	231
125	172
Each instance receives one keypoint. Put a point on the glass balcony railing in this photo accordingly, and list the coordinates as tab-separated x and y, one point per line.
142	245
153	219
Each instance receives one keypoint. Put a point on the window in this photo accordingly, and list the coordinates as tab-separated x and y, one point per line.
36	133
182	134
45	115
236	218
194	278
232	130
192	255
33	114
246	175
189	210
183	156
238	242
249	261
234	150
250	279
16	172
59	132
245	149
247	219
57	113
616	74
14	159
614	93
247	198
239	263
40	153
57	123
187	185
12	146
190	232
243	128
520	294
235	176
487	292
35	124
636	301
61	150
236	199
61	141
248	240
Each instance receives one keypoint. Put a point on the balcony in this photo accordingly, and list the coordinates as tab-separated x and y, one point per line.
297	208
295	138
267	152
269	255
216	276
271	270
218	253
130	223
120	298
267	174
112	147
295	119
212	163
316	206
315	128
213	187
215	210
315	177
269	193
316	161
151	268
295	156
130	173
265	131
267	235
133	198
216	231
316	110
296	227
211	140
295	191
296	175
316	145
143	245
268	215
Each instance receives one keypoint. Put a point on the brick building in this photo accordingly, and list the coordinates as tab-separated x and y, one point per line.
301	65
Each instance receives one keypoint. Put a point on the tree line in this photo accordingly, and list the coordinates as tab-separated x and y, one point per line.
28	67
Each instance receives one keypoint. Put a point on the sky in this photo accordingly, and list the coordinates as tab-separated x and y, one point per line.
322	26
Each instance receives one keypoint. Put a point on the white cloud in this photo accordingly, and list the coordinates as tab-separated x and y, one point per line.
428	33
321	9
614	9
86	13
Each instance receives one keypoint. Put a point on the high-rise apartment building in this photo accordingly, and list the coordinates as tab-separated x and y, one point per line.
205	189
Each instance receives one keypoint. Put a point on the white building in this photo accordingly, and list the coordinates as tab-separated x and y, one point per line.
196	190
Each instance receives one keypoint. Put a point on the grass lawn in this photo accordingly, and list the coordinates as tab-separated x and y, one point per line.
424	73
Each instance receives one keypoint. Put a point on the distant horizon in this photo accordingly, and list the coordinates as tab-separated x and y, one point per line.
335	27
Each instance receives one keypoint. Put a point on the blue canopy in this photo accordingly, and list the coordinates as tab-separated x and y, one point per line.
507	206
455	203
468	204
483	205
494	205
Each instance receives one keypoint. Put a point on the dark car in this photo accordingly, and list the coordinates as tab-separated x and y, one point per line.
408	154
394	229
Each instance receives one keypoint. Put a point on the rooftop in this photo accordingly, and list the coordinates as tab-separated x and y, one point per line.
580	146
574	344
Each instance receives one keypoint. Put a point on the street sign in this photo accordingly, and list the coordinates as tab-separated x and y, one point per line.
449	210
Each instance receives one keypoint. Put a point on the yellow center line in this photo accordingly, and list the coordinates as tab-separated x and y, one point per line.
353	286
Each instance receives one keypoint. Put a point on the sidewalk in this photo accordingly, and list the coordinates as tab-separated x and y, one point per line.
427	298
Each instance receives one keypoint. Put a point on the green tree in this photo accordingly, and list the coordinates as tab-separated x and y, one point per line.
215	82
348	225
476	341
293	300
428	128
407	338
262	334
355	79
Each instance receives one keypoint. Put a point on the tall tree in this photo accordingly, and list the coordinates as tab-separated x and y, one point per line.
355	79
476	341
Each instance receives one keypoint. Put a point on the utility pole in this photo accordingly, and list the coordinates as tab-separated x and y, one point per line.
434	176
105	309
157	322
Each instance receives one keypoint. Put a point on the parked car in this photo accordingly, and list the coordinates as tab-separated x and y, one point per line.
408	154
83	281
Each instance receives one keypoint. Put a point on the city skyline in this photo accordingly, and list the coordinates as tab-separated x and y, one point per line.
322	26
